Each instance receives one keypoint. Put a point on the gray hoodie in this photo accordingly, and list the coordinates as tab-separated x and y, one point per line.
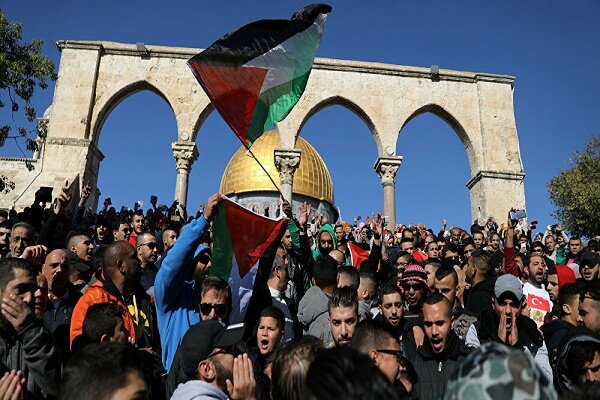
196	390
314	315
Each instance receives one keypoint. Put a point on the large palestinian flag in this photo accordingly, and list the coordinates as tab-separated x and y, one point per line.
244	246
254	76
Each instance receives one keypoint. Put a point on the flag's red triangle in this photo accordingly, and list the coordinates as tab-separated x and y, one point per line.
357	255
251	234
234	92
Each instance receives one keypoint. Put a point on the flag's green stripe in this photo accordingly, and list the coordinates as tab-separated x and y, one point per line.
291	59
275	104
222	253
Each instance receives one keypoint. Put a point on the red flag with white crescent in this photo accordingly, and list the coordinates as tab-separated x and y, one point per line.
538	302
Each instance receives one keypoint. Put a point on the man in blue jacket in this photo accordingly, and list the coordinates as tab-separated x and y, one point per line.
176	295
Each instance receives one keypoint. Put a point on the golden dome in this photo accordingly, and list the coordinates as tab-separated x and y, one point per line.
243	174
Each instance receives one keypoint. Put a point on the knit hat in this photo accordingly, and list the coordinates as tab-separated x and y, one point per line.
416	273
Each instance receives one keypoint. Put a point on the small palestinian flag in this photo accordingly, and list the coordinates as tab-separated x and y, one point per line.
357	254
255	76
244	246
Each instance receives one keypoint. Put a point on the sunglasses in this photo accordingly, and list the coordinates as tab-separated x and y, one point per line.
220	309
150	245
397	353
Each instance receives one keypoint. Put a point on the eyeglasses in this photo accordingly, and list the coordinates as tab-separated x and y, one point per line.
220	309
397	353
151	245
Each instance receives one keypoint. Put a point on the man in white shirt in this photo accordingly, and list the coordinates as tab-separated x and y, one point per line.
538	299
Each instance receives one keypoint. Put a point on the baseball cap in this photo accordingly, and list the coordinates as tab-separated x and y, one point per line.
508	283
198	343
589	259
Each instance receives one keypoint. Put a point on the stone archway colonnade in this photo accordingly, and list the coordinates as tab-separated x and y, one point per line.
94	77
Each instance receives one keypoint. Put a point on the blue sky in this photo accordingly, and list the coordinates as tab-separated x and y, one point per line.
550	46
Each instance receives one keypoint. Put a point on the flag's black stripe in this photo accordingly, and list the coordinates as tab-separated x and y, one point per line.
250	41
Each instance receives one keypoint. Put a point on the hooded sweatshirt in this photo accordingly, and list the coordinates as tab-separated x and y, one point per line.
325	228
198	390
313	314
175	294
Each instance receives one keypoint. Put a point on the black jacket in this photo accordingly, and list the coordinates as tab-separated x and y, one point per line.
434	370
32	351
480	297
554	332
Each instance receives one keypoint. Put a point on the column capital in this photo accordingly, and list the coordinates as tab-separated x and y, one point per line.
386	168
286	162
185	154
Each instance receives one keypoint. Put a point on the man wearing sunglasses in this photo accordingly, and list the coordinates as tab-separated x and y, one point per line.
147	252
177	295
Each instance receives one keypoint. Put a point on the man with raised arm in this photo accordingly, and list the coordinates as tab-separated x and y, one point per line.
176	294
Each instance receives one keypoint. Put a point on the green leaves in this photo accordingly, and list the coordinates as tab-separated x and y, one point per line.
576	192
23	68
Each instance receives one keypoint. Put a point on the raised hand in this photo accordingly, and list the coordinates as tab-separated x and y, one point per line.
243	386
12	385
35	254
18	313
304	214
85	193
286	208
211	206
64	197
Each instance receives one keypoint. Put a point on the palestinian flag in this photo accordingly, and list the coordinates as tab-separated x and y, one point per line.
244	246
357	254
255	76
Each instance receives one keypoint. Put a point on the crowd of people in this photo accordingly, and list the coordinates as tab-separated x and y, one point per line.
122	305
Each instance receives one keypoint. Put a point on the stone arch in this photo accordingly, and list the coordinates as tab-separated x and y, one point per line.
117	98
206	111
347	104
456	126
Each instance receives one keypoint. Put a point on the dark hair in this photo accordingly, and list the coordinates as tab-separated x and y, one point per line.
100	319
275	313
97	371
451	247
72	235
387	288
444	271
288	380
427	245
343	297
8	267
406	240
371	334
591	290
481	261
217	284
436	298
6	225
351	273
537	243
344	373
325	272
579	354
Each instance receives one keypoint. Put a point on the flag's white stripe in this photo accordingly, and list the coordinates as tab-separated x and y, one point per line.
241	291
284	56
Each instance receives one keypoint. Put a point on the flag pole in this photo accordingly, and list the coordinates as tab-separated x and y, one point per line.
265	170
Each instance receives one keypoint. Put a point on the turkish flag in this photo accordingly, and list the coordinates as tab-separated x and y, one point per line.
357	255
538	302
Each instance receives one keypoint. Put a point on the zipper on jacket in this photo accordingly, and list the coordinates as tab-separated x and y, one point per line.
440	367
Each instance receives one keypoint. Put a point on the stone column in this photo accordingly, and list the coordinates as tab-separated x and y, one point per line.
386	168
494	193
185	154
286	162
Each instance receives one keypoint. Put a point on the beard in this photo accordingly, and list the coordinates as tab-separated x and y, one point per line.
222	376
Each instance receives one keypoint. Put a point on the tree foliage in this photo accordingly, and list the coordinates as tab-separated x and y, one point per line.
22	69
576	192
